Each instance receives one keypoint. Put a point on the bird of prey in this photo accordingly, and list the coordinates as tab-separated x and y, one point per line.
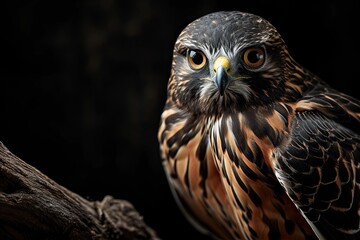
254	145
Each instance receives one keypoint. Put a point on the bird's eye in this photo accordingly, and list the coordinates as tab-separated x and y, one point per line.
196	59
254	57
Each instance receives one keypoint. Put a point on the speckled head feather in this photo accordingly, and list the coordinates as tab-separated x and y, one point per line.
230	30
229	34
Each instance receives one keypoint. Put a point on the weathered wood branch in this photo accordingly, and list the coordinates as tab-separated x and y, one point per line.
32	206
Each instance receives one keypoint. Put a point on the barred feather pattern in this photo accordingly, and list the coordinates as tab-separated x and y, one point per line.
192	174
263	209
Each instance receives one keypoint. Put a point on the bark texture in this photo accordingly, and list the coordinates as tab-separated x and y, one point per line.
32	206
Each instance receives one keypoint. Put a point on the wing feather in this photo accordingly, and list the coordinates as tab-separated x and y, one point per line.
320	170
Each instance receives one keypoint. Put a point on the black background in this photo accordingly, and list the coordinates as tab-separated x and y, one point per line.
83	84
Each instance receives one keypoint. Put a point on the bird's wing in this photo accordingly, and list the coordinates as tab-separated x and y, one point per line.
319	167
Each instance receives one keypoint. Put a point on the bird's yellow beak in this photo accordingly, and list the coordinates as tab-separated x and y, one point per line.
222	62
221	70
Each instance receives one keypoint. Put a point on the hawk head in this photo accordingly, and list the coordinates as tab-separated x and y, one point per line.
230	61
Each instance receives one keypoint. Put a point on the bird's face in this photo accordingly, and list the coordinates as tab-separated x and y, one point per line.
226	62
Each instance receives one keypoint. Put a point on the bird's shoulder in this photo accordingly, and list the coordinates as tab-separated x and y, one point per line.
319	163
333	104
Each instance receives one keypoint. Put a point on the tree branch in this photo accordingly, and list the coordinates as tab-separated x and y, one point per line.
32	206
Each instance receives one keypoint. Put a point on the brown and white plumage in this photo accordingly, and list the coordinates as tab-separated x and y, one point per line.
254	145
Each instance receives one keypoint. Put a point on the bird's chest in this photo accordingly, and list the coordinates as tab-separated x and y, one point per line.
242	149
220	171
193	177
246	141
